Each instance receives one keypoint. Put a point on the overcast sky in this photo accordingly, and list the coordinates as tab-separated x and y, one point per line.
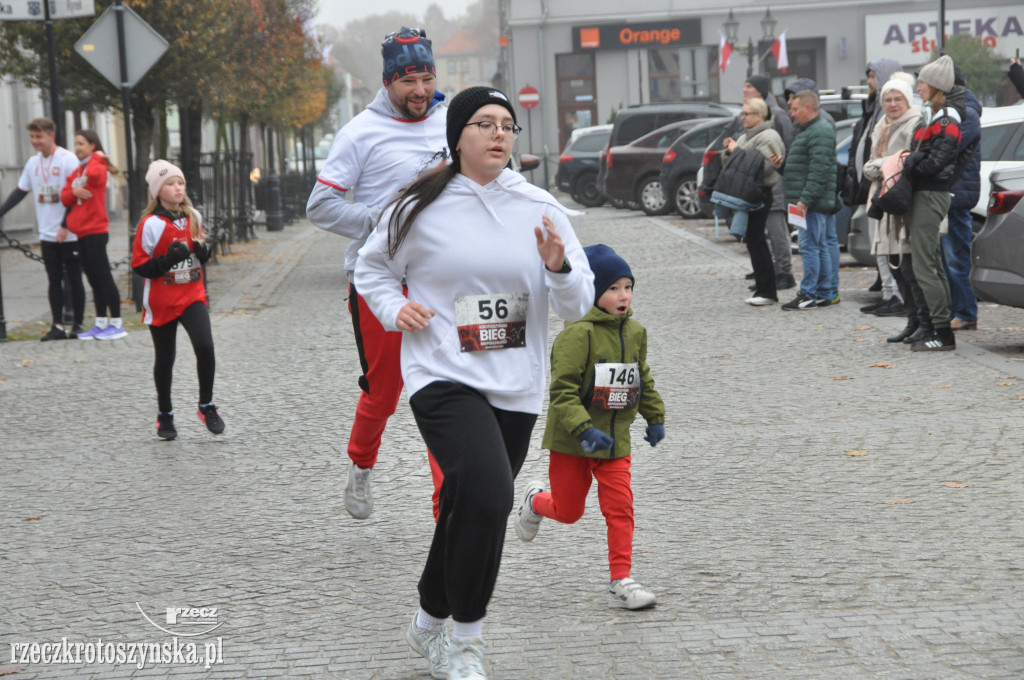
340	12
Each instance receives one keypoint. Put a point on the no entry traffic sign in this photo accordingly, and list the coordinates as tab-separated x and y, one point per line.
529	97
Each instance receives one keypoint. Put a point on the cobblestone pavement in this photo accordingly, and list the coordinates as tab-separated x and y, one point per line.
825	505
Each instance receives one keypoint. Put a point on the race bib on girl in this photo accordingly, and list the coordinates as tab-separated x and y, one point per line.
184	272
495	321
616	386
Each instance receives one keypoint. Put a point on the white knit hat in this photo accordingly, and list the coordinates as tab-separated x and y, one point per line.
939	74
902	83
159	172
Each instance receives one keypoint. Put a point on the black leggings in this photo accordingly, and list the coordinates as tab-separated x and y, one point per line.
93	249
58	258
480	449
196	320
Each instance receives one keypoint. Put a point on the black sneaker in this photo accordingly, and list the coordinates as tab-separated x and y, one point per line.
800	303
894	307
784	282
165	426
76	331
54	334
868	309
209	416
940	340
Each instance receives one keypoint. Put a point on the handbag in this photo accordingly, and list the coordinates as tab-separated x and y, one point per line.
895	192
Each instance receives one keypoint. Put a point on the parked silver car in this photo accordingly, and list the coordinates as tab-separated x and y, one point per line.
997	253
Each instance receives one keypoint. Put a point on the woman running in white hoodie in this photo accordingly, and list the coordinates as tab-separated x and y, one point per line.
480	271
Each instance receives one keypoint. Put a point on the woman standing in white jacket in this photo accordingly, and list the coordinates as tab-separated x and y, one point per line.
480	271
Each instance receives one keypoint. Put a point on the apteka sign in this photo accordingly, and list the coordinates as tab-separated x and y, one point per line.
912	37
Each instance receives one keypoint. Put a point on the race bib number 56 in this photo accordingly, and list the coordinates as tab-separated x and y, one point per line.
616	386
496	321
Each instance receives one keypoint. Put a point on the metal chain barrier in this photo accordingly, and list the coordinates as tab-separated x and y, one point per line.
27	252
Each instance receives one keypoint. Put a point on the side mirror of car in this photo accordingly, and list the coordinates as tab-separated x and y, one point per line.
528	161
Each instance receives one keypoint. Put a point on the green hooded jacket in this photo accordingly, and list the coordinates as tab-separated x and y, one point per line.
576	358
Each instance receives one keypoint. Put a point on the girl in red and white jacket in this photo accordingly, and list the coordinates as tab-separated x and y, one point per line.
168	252
85	196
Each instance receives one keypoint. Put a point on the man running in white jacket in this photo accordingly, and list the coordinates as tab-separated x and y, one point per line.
379	152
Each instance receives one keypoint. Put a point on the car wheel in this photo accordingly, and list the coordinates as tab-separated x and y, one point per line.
651	198
687	200
586	192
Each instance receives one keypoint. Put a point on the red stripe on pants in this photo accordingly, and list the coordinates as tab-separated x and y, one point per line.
570	478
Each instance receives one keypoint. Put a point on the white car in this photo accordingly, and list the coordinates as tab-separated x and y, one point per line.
1002	146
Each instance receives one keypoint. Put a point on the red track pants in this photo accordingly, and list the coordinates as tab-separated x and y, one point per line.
570	478
380	353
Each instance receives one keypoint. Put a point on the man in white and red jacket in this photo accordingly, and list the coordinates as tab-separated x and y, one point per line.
378	153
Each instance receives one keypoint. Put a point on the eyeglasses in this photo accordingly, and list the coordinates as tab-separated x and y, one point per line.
404	33
489	130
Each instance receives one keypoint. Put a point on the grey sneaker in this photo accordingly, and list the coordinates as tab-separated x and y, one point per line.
358	496
629	594
432	645
528	521
466	660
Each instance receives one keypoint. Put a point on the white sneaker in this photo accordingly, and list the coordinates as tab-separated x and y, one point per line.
528	521
432	645
759	301
358	496
466	659
629	594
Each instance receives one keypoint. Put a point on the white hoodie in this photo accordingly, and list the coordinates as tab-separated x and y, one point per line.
377	154
477	241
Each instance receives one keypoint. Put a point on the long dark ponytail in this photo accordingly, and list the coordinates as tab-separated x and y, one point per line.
413	200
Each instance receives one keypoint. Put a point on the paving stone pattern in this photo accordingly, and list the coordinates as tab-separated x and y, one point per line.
825	505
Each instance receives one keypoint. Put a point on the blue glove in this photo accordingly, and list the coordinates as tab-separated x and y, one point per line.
593	440
655	433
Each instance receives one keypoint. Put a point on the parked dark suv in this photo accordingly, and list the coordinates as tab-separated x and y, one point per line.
681	162
633	171
579	163
636	121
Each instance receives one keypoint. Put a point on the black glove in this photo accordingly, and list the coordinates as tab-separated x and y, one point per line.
202	251
177	252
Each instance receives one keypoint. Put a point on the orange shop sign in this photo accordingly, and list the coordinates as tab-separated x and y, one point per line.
630	36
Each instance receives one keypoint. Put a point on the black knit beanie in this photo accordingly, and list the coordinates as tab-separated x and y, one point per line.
464	105
608	267
761	83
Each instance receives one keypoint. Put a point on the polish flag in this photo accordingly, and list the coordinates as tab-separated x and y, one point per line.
724	51
779	52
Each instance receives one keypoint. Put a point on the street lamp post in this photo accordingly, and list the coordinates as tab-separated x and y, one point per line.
732	29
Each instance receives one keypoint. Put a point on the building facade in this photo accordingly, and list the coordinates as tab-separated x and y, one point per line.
589	58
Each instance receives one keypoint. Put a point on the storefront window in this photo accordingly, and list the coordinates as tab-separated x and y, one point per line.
682	73
577	93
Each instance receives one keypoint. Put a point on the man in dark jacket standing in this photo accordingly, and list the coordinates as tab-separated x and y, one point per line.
966	189
1016	74
809	180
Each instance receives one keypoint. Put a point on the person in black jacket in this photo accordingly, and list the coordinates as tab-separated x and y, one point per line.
931	164
956	245
1016	75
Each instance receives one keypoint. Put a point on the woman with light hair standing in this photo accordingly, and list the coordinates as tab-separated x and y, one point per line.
892	135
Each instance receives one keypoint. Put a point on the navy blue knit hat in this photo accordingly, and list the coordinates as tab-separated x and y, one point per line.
607	266
406	52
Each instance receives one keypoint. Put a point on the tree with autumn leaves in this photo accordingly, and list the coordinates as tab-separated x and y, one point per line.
245	61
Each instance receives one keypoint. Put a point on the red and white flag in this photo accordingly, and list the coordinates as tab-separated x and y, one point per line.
724	51
779	52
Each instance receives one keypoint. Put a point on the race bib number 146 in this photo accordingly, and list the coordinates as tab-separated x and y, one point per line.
616	386
496	321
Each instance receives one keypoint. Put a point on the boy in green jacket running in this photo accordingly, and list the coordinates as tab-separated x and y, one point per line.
599	382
